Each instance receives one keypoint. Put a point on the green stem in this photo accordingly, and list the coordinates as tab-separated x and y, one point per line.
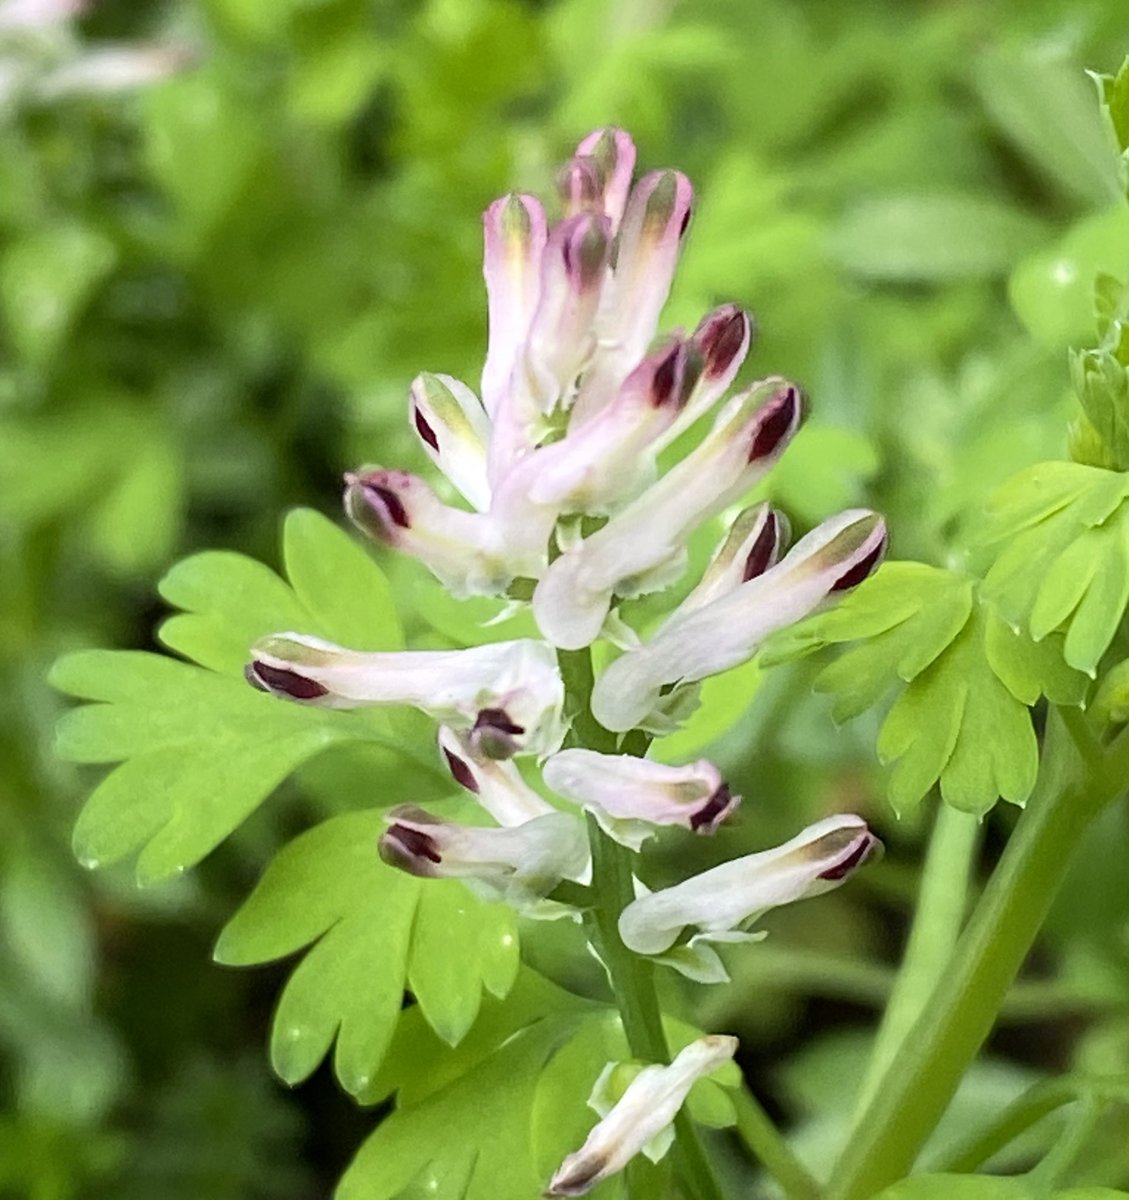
938	916
757	1130
1052	1171
1075	783
631	975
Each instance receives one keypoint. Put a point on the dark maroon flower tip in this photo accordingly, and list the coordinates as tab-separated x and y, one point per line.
424	429
407	848
853	860
714	811
720	338
461	771
494	734
665	383
280	681
778	419
384	499
861	570
764	550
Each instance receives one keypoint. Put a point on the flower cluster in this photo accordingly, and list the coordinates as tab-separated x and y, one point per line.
567	509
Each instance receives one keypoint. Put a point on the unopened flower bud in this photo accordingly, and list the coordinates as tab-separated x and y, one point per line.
497	785
519	864
467	552
643	547
454	430
723	902
704	640
631	796
640	1121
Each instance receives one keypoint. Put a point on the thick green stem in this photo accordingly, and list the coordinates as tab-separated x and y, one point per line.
632	977
1076	781
938	917
756	1129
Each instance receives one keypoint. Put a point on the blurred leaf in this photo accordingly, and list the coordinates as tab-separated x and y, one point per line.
1052	291
933	238
1045	107
959	1187
960	717
373	930
45	279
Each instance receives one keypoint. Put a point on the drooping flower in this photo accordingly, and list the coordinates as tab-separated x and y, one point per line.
507	695
706	638
496	784
641	1120
722	903
520	864
630	796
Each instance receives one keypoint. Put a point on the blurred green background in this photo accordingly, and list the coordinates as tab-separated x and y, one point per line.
215	288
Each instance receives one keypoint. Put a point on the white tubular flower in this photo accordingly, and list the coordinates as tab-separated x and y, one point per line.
722	903
727	631
520	865
469	553
643	547
753	545
650	240
630	796
608	457
640	1121
455	431
515	232
507	694
496	785
561	335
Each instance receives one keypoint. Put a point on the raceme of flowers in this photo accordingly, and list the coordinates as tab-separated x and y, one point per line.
566	508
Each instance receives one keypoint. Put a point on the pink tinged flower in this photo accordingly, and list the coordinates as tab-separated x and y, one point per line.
468	552
520	865
454	430
507	696
721	904
497	785
643	547
37	14
703	640
722	339
650	240
561	339
640	1120
598	177
630	796
608	458
755	541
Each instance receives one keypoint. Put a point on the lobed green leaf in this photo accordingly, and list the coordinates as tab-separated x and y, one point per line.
371	930
963	681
